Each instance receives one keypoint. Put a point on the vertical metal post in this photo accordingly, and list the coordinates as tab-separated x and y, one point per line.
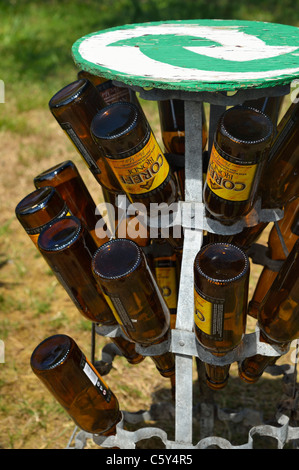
193	151
192	244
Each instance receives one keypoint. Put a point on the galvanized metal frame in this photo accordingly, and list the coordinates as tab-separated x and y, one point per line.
182	341
194	221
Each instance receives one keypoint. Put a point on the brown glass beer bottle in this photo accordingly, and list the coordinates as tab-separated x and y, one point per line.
269	105
124	136
108	91
221	276
66	179
38	209
69	376
280	182
68	248
172	123
251	368
278	316
289	231
123	223
74	107
166	270
131	224
239	152
121	270
243	239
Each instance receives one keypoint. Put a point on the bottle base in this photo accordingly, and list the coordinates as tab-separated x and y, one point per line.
135	360
216	385
217	376
169	373
247	378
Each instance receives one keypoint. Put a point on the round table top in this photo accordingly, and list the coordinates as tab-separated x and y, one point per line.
193	55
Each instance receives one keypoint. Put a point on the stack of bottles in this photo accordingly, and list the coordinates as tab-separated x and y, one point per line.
132	283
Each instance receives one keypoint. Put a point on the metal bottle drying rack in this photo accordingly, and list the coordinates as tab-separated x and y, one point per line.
94	54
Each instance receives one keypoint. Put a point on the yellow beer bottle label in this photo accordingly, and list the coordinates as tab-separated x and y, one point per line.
165	271
208	315
229	180
142	172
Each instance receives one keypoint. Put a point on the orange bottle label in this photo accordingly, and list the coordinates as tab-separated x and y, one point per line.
229	180
143	171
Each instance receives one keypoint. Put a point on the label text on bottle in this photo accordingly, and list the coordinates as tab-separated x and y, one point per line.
144	171
229	180
209	315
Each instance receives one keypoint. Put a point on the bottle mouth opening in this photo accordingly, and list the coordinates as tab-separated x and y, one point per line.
69	93
254	127
35	201
116	259
51	352
217	269
115	120
54	170
60	235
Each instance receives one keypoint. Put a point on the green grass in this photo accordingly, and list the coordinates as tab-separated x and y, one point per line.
5	229
36	38
5	324
8	304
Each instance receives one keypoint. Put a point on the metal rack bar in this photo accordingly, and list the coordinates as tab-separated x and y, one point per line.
192	243
182	341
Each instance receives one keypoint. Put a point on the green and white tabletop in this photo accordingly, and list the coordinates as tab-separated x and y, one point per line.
193	55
